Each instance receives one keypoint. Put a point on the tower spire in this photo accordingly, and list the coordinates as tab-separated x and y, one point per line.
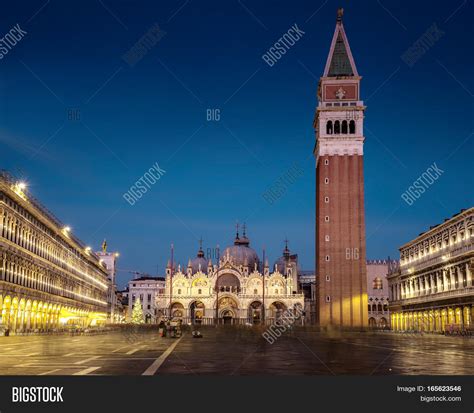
340	61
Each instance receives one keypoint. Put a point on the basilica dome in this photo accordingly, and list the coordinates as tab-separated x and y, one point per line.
199	263
241	252
286	259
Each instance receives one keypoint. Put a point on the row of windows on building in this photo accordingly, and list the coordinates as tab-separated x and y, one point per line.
338	127
28	275
28	233
374	308
141	298
419	251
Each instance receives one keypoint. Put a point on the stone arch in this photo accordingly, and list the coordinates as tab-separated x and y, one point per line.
254	285
197	311
14	310
255	310
277	308
344	126
177	310
352	126
200	285
276	285
228	300
228	315
6	309
329	127
372	322
228	282
21	323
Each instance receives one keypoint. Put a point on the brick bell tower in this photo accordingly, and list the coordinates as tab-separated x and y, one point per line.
340	227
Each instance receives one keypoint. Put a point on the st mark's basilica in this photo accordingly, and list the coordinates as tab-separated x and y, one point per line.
238	288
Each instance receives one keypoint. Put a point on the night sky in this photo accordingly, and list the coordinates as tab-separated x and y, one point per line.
131	117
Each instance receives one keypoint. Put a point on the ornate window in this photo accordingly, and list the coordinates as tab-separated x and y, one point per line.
337	127
352	127
329	127
344	126
377	284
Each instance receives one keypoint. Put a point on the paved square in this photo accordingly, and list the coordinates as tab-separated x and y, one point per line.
236	351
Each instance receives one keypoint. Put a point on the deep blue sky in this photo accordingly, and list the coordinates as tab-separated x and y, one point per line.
132	117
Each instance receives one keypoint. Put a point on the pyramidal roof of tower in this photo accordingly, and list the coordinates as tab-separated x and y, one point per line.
340	61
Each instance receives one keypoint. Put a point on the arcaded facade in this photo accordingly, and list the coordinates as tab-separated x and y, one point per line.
48	278
433	289
238	289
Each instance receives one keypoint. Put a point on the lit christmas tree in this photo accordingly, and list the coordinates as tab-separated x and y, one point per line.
137	312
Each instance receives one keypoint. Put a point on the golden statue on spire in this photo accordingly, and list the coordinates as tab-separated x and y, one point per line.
104	246
340	13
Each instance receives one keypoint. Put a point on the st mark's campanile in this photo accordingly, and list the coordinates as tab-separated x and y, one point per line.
340	226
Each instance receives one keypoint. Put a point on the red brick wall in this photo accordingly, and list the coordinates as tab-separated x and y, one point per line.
347	287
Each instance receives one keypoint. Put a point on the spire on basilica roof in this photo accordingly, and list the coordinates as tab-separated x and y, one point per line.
286	251
340	61
241	240
200	252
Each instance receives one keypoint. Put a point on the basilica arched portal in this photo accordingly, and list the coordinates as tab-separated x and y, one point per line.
177	310
255	312
277	309
196	310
